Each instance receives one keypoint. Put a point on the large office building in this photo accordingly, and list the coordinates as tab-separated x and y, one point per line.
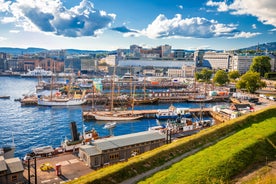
241	63
216	60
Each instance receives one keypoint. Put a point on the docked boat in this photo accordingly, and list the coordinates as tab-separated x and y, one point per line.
115	115
60	101
7	151
181	127
77	141
110	125
37	72
146	101
172	113
4	97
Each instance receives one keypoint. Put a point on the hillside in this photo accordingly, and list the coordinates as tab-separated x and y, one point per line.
146	164
32	50
265	46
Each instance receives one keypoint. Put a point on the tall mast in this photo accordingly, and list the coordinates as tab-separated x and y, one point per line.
93	102
112	89
144	88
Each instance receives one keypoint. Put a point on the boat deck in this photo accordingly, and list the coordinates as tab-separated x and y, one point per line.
88	115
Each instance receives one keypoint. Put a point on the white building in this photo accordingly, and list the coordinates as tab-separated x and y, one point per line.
111	60
241	63
186	71
217	60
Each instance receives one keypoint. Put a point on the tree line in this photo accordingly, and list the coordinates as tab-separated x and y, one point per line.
250	81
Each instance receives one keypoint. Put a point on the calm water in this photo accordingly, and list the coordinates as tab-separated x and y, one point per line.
41	126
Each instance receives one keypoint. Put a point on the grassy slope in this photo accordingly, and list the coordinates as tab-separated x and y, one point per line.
218	163
149	160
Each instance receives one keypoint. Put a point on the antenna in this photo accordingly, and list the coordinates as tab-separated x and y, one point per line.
13	144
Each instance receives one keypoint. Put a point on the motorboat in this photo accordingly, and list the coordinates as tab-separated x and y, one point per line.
38	72
110	125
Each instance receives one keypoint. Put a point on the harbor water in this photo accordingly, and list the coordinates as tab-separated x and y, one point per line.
36	126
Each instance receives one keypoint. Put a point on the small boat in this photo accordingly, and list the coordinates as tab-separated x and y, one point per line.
110	125
4	97
38	72
181	127
172	113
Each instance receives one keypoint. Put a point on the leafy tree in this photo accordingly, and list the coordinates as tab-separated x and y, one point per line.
251	81
221	77
204	75
234	75
261	64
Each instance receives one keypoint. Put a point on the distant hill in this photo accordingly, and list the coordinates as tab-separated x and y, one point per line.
76	51
32	50
264	46
17	51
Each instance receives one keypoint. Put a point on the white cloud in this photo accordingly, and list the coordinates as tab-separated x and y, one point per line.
222	6
274	29
180	7
245	35
196	27
4	5
6	20
264	10
254	26
14	31
52	17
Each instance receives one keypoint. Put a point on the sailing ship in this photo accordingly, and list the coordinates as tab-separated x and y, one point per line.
115	115
145	99
61	100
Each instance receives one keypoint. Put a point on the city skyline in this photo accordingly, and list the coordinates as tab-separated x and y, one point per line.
110	25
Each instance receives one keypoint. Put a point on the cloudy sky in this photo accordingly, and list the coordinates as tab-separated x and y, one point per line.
114	24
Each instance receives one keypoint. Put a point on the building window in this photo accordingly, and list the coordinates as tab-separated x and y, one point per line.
114	156
2	173
135	152
14	178
96	161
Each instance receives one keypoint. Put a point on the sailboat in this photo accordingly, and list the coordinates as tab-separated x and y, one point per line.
115	115
145	99
60	100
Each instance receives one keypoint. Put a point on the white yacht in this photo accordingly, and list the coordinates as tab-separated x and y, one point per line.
38	72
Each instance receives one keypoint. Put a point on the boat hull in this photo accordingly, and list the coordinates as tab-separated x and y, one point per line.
71	102
146	101
116	118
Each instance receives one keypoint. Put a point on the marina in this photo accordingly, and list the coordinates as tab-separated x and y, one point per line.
38	126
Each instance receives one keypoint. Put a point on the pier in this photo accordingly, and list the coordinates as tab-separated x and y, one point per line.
88	115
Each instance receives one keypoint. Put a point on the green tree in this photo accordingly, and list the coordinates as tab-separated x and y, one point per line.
221	77
204	75
234	74
251	81
261	64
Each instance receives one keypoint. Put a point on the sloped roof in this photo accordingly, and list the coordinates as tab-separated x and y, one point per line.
121	141
14	165
3	166
127	140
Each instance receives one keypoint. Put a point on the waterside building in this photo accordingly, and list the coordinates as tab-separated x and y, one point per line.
120	148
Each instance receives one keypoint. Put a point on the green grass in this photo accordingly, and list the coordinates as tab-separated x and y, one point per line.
218	163
157	157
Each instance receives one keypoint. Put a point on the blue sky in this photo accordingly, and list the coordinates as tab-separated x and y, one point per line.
117	24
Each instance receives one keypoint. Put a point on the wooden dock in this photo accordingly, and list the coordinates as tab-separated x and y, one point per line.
88	115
